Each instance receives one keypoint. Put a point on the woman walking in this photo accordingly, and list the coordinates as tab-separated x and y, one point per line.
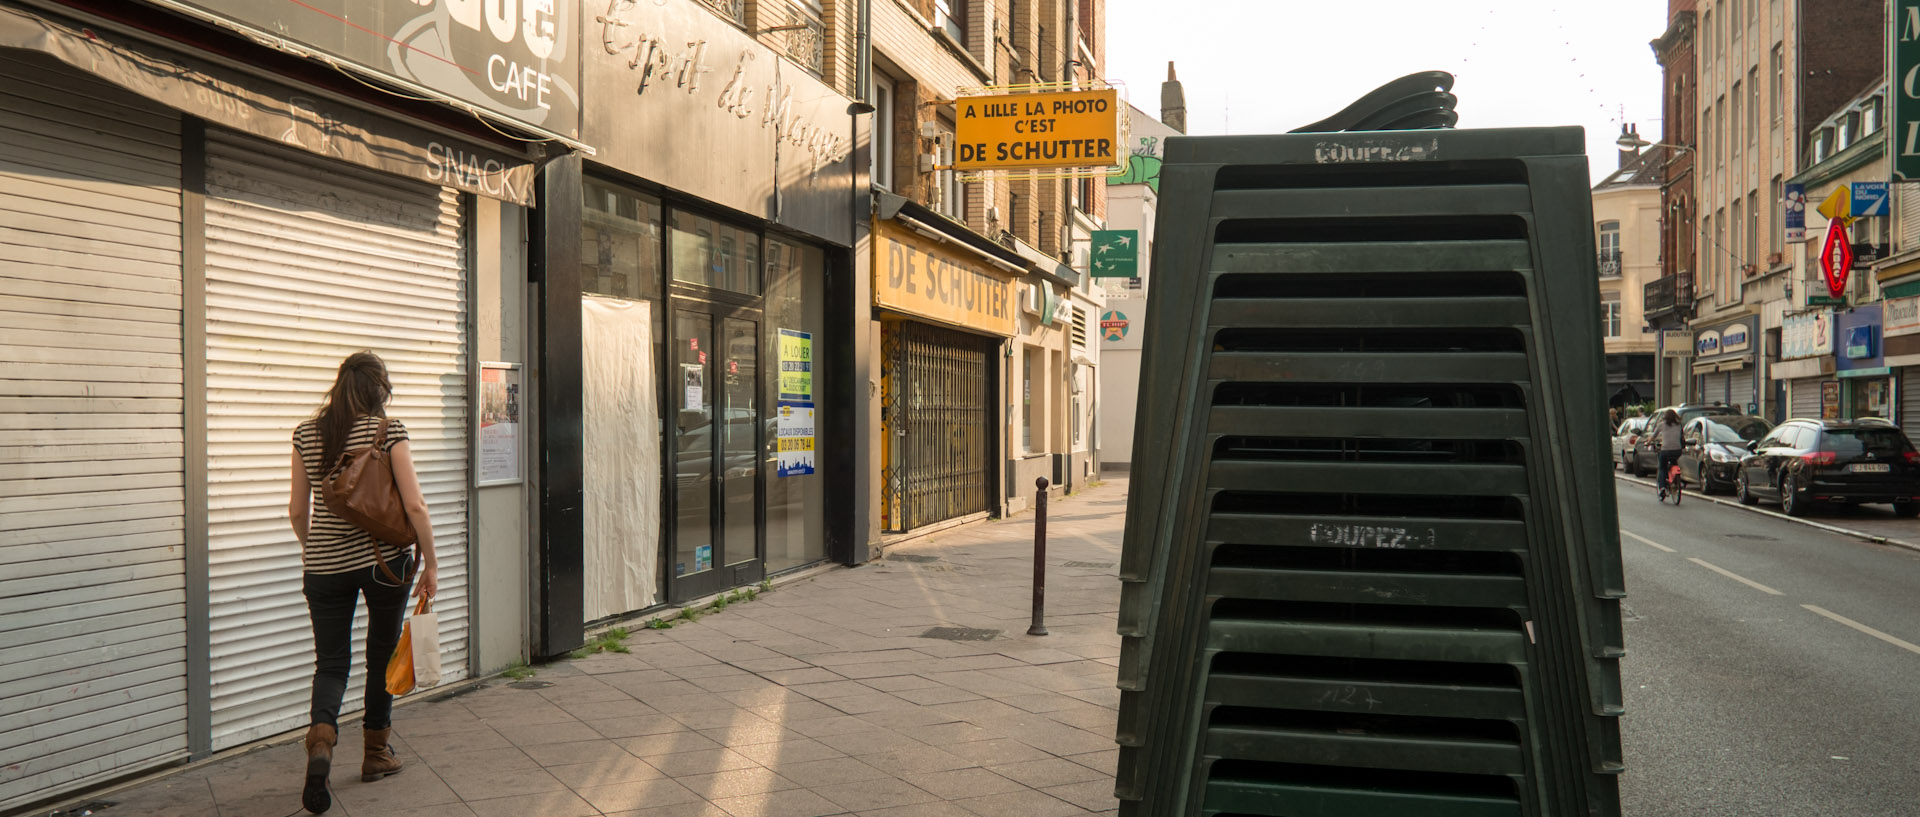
340	564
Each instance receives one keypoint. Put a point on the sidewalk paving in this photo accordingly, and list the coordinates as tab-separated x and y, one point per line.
823	697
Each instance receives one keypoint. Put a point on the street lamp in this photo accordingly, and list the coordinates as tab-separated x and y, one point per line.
1632	141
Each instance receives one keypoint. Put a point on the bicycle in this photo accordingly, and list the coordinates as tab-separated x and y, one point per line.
1673	484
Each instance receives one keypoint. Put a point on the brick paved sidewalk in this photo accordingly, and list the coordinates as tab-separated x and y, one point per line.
820	698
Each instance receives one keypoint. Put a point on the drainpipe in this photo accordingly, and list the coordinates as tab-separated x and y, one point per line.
863	59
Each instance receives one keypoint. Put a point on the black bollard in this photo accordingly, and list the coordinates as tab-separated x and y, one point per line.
1039	560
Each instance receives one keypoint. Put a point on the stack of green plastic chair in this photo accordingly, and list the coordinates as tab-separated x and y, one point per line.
1379	572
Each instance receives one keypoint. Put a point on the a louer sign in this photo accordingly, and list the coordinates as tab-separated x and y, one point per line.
1905	144
516	59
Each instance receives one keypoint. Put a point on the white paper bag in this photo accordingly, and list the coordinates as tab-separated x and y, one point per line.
425	628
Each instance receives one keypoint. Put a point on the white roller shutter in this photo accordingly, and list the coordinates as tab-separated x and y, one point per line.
1803	398
308	261
92	508
1741	392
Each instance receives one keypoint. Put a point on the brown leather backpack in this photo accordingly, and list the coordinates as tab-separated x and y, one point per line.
360	489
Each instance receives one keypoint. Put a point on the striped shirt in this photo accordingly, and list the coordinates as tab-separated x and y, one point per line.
334	545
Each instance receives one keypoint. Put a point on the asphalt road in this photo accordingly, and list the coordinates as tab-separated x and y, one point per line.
1746	694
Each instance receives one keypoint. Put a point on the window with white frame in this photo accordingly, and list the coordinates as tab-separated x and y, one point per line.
1609	249
882	132
953	200
1610	314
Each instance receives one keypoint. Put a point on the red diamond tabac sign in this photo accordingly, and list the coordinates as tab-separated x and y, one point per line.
1836	259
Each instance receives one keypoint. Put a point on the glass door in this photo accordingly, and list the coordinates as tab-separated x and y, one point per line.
717	467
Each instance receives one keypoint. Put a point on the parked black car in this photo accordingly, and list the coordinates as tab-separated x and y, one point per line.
1715	445
1844	462
1645	459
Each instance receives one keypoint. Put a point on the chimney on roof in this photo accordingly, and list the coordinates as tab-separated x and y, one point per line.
1626	155
1173	102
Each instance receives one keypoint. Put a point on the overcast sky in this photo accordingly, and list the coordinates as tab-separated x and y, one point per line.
1269	66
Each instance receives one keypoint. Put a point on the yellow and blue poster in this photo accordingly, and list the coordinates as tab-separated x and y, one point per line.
794	439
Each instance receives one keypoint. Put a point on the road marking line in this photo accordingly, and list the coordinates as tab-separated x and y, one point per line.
1905	645
1734	576
1648	542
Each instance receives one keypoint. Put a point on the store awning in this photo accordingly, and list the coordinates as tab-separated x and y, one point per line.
1710	366
273	111
1804	367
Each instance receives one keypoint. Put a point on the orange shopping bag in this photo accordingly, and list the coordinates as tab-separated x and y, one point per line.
400	666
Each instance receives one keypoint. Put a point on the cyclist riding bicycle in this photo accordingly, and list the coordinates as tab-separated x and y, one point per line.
1667	440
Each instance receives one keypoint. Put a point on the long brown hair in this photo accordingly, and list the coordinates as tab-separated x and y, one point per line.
360	390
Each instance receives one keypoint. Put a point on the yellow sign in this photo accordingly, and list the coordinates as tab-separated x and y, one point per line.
1053	129
916	276
1839	204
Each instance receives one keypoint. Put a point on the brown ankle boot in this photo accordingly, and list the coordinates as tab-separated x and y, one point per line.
320	740
380	761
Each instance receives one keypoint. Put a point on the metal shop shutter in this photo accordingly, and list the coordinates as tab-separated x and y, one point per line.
92	508
1910	400
308	261
1740	393
1803	398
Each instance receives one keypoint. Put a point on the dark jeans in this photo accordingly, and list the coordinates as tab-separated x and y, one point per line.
331	599
1666	462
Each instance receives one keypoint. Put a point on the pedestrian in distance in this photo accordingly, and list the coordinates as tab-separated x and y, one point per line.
1667	439
341	563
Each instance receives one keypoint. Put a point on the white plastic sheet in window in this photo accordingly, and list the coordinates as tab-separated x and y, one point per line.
621	428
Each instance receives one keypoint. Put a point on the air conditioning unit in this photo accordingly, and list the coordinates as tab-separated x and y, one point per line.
929	130
927	162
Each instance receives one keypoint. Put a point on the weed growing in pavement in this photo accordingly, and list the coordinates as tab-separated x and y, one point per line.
518	671
766	585
609	641
659	624
688	614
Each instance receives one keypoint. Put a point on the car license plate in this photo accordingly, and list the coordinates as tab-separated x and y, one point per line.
1869	468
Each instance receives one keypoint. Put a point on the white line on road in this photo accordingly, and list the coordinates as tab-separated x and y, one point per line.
1734	576
1905	645
1648	542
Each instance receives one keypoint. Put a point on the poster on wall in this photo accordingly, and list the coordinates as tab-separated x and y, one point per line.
1830	400
794	439
499	402
796	366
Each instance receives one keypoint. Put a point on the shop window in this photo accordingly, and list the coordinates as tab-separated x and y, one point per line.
712	254
796	301
882	132
620	250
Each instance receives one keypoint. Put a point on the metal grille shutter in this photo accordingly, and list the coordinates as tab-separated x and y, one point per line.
1910	400
1803	398
92	504
1713	388
308	261
1741	392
